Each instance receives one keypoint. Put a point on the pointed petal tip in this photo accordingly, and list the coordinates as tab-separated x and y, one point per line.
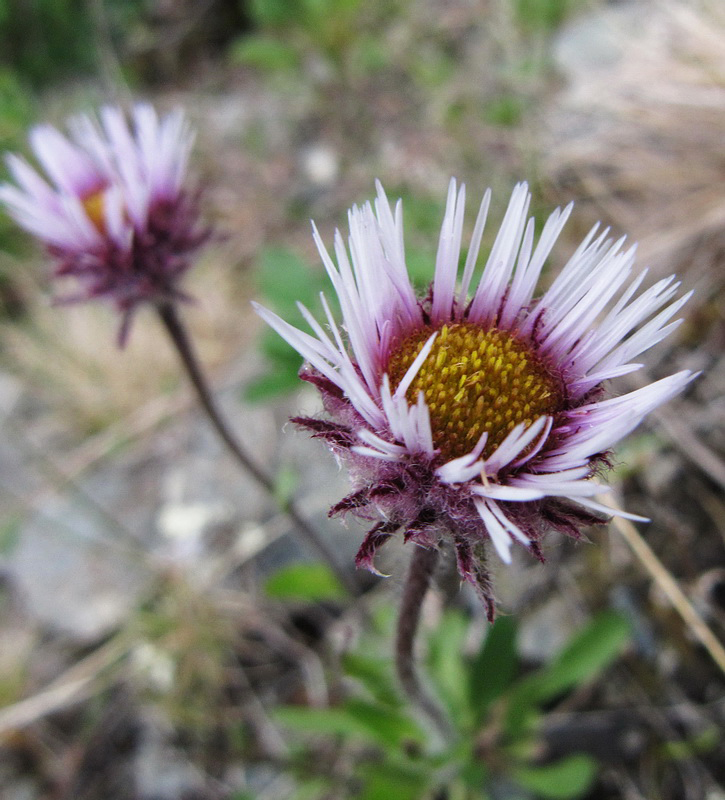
375	571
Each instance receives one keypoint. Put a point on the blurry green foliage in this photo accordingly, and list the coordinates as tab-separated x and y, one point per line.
543	15
308	582
496	713
505	110
635	454
265	53
497	660
435	67
704	742
285	483
46	40
284	280
16	109
341	32
570	777
10	534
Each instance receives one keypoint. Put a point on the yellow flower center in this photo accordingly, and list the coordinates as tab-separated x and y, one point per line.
94	206
476	380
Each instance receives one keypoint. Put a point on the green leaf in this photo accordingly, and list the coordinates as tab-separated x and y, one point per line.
310	582
276	349
285	279
285	483
446	664
522	711
323	721
386	781
703	742
274	12
388	726
492	671
420	267
566	779
271	385
356	719
375	674
474	774
586	654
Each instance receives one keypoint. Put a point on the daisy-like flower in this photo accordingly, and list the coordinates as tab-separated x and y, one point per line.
111	207
479	412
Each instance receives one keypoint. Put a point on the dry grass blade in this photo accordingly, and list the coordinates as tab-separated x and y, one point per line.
639	131
76	683
669	586
690	446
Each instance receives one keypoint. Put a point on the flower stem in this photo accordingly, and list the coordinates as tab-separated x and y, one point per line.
183	345
420	571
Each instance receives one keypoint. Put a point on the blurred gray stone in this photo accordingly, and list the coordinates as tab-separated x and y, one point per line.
594	41
162	772
544	631
73	580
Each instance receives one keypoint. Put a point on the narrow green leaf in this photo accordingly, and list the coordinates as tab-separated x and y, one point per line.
389	727
375	674
446	664
386	781
357	719
311	582
493	669
565	780
323	721
522	711
586	654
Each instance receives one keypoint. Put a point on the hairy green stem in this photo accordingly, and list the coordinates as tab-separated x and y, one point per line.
422	565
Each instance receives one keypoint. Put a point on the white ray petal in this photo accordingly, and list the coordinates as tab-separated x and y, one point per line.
499	536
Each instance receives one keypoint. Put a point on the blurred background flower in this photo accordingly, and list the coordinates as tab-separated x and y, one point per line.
117	217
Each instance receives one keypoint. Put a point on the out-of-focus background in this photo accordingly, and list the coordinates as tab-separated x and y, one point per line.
155	608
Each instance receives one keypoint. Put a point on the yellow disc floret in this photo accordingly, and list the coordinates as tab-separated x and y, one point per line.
476	380
94	206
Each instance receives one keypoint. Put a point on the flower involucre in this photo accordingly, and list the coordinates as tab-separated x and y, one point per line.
479	413
112	209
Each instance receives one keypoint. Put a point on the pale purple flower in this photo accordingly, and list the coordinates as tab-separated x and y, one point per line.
478	411
109	204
